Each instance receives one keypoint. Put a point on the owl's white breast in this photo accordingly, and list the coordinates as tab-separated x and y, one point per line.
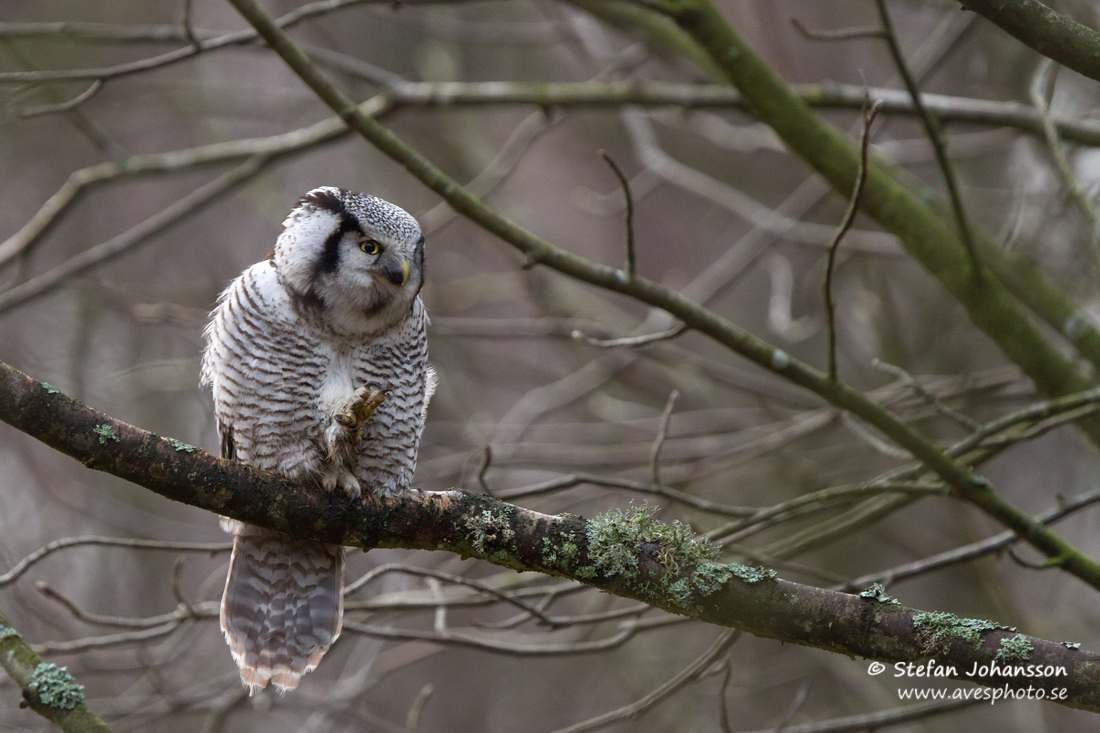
339	382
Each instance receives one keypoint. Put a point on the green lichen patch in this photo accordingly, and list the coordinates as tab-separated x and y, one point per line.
1016	649
616	538
56	687
105	433
7	632
180	446
50	389
710	576
559	552
940	629
749	574
490	529
878	593
680	591
1071	644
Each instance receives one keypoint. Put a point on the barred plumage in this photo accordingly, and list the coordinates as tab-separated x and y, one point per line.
333	309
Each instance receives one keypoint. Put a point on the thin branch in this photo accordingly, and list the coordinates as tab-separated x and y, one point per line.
185	26
1042	88
412	718
629	341
846	224
662	434
684	677
881	720
586	94
931	128
67	542
455	580
843	34
96	619
111	640
578	479
928	396
236	38
483	468
970	552
494	644
65	106
187	206
631	262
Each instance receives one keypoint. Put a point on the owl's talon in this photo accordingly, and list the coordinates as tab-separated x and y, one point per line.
365	401
360	408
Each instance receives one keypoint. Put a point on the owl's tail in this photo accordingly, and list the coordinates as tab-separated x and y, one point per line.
283	605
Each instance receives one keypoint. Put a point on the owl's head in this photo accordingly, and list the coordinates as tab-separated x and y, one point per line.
360	257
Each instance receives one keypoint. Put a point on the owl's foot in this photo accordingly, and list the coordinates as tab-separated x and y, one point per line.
357	410
342	479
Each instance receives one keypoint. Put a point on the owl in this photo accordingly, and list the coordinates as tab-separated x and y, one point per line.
317	358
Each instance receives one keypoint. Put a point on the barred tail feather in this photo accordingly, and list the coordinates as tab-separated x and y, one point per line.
283	606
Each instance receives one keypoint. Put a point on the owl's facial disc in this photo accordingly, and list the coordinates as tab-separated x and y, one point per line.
360	257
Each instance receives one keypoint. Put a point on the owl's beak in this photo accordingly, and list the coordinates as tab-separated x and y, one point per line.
396	271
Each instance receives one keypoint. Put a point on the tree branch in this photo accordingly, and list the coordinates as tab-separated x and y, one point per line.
1047	31
48	690
628	554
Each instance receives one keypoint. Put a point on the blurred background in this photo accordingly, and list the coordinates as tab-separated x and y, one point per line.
525	409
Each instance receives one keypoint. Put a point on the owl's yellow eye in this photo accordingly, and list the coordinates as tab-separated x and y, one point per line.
370	246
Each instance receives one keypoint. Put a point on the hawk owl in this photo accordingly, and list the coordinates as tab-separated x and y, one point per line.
299	350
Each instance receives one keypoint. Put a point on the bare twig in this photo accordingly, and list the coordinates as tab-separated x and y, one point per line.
483	468
846	224
844	34
969	552
185	26
937	404
878	721
629	341
63	106
456	580
792	709
1042	87
662	433
412	719
931	128
631	262
187	206
687	675
101	620
641	487
67	542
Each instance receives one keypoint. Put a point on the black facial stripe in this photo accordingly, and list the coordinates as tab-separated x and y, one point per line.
330	255
420	264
